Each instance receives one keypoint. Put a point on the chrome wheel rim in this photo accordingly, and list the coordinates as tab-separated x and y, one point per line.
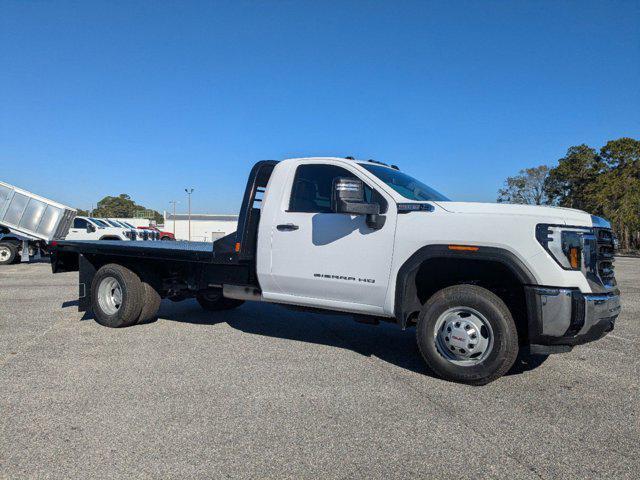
5	253
463	336
110	295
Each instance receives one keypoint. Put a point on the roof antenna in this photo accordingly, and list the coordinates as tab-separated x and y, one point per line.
349	158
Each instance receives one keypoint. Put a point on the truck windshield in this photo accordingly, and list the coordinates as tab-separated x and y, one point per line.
404	184
100	223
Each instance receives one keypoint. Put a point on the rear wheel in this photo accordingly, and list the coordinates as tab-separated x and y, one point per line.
151	303
213	300
467	334
8	253
117	296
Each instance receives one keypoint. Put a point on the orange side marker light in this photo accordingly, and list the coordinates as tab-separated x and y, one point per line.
574	257
465	248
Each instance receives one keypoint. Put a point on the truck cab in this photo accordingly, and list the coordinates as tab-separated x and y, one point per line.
479	282
89	228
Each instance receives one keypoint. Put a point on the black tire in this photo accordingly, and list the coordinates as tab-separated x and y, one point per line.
504	349
132	296
212	300
151	304
8	253
164	239
151	298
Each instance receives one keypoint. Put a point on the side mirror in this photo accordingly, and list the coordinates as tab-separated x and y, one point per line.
347	196
90	228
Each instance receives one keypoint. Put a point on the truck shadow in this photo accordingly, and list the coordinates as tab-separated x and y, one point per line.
385	341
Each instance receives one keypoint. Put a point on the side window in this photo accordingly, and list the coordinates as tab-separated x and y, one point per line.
312	185
79	223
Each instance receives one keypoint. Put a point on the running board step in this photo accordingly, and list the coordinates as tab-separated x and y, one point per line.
242	292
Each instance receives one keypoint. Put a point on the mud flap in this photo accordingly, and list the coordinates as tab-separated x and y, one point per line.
85	277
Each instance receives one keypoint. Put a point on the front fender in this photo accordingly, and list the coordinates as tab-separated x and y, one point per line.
406	295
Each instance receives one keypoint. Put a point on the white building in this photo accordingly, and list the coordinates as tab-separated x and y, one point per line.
204	227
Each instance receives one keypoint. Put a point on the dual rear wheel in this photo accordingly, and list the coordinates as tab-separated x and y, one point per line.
122	298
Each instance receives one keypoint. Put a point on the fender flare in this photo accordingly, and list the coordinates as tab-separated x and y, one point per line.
405	286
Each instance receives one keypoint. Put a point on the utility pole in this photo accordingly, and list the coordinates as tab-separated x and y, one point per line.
173	202
189	192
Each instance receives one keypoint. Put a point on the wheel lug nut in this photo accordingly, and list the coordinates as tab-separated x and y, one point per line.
457	324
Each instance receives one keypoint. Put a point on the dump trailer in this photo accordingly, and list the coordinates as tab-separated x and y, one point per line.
29	223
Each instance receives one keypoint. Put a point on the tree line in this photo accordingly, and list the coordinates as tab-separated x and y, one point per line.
122	206
604	182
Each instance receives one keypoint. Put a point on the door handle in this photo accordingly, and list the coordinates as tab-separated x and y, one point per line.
287	227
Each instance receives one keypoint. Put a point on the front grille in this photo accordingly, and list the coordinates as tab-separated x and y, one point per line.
605	254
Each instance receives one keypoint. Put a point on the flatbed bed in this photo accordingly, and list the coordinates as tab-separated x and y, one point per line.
185	251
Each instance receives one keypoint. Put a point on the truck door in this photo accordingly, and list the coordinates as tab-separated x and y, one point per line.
329	259
78	229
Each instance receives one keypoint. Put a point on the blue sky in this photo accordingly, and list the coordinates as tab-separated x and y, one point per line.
147	98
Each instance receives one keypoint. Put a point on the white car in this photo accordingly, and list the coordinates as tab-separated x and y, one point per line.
141	234
120	224
88	228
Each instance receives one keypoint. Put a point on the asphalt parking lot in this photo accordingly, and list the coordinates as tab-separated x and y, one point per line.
263	391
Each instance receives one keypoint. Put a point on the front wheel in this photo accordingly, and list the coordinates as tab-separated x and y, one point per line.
467	334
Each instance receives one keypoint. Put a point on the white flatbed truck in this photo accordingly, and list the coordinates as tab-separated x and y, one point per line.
480	282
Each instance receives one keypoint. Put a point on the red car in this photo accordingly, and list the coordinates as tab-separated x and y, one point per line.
163	235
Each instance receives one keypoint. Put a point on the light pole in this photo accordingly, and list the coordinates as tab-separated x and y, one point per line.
189	192
173	202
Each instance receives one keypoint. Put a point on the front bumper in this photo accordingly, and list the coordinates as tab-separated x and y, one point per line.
560	318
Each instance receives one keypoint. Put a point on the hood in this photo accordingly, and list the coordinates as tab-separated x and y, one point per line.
567	216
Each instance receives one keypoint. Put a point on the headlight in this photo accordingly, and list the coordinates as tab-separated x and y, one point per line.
565	244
